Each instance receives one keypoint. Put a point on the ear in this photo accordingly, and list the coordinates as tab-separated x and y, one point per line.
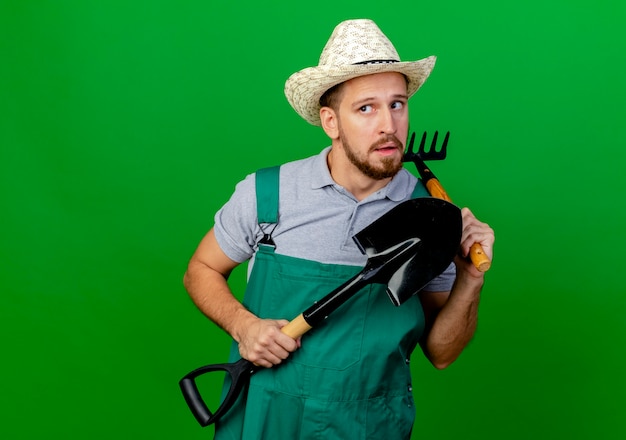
330	124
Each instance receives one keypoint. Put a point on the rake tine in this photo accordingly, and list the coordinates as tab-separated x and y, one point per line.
432	154
410	148
422	144
445	144
433	144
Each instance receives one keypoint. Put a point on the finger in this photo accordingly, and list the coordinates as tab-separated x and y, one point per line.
481	234
268	345
276	346
467	213
267	356
277	354
287	342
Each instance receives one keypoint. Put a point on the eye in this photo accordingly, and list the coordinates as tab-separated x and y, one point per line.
366	109
397	105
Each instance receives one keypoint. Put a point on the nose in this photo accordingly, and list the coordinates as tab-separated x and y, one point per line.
387	122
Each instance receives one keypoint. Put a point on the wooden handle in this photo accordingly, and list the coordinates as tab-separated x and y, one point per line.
477	255
297	327
436	190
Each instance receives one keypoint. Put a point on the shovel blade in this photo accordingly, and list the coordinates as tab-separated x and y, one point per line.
435	222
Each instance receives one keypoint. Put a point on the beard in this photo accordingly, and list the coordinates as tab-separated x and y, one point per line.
388	167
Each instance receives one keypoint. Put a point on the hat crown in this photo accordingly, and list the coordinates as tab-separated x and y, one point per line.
355	48
357	42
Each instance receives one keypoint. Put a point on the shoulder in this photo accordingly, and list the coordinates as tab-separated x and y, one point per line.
312	165
301	177
402	186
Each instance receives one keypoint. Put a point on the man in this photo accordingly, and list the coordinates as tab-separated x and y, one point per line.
348	378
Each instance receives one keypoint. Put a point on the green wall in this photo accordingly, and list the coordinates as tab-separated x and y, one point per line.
124	125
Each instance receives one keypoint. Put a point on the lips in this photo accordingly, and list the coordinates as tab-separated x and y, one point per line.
388	148
388	145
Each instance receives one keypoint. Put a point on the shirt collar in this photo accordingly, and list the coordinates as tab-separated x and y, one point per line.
321	174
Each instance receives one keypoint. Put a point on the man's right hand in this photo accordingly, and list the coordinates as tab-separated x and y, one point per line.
263	343
260	340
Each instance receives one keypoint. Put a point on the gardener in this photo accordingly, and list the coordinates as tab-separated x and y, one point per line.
349	378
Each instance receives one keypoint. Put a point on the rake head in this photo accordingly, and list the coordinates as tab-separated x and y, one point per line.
431	154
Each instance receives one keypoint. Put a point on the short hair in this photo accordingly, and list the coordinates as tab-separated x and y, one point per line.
332	96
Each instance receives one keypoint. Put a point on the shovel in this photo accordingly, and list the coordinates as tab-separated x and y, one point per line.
406	248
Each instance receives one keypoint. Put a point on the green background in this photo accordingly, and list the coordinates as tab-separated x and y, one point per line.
124	125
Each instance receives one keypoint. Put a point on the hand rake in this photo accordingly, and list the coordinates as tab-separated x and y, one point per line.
477	255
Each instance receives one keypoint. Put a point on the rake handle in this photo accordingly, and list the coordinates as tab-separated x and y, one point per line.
477	254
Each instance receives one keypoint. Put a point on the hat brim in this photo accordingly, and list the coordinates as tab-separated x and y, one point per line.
304	89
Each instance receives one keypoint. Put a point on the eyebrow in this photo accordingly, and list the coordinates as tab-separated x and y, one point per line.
361	102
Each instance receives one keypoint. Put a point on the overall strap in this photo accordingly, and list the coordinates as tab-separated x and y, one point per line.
267	185
419	190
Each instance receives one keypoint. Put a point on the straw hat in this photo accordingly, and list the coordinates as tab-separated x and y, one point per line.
355	48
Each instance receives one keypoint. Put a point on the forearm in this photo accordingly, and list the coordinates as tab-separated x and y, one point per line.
210	292
455	323
260	340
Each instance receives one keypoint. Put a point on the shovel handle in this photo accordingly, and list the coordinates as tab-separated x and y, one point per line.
239	372
477	255
296	327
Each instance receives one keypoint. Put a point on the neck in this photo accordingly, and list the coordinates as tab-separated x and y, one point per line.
350	177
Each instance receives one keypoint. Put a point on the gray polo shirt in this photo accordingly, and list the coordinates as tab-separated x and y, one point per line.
317	217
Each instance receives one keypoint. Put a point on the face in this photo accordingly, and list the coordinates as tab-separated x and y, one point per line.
372	119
